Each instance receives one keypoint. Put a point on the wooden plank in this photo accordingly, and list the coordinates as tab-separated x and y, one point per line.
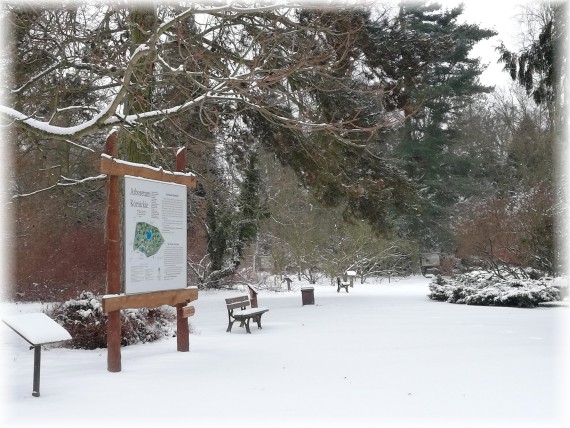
152	299
188	311
116	167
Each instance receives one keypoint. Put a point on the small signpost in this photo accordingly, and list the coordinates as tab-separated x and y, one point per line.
37	329
351	274
155	244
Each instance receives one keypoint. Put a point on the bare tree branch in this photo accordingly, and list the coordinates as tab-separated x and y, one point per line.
66	183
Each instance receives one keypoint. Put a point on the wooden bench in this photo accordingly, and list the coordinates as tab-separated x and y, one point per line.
341	284
237	312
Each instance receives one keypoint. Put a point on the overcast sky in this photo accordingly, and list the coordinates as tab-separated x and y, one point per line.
498	15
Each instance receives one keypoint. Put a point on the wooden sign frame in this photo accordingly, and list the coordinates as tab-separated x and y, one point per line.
114	301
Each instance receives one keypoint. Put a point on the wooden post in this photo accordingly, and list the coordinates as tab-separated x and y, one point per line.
113	244
182	331
252	296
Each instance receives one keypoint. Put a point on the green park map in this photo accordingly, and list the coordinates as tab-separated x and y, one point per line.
148	239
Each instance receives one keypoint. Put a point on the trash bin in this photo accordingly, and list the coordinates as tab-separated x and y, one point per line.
308	295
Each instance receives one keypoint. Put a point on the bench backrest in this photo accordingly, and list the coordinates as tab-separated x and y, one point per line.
237	302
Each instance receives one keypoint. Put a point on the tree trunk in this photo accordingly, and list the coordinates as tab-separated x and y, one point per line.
135	143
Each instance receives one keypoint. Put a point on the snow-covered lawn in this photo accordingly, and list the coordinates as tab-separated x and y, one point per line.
382	355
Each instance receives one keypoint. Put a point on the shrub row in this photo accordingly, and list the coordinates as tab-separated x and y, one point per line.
484	288
84	319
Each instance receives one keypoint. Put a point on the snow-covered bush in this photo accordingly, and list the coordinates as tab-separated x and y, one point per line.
87	324
484	288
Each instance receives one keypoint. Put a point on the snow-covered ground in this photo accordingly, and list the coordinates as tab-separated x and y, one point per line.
382	355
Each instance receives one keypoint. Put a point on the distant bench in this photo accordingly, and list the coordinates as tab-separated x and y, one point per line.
237	312
341	284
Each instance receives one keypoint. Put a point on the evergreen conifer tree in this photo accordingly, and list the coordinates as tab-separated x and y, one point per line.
432	83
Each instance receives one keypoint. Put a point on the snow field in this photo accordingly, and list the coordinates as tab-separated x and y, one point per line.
383	354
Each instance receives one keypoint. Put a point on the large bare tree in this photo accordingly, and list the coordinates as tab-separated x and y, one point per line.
244	57
294	77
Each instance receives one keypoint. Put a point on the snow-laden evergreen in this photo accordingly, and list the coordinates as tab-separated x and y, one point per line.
486	288
84	318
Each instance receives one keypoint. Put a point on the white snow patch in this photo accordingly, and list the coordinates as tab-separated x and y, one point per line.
383	354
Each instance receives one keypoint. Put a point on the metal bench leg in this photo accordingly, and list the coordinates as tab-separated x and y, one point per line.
258	320
37	361
230	324
247	325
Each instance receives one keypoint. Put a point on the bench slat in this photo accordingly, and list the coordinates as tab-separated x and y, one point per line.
238	305
237	299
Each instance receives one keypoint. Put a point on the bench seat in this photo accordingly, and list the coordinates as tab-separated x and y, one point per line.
248	312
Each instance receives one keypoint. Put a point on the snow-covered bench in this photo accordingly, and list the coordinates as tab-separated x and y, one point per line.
237	312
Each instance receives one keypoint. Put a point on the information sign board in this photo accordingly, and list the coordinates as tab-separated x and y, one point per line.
155	235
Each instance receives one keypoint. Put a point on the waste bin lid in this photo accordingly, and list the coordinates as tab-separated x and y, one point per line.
307	288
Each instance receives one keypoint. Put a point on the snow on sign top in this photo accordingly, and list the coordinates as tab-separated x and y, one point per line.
37	328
